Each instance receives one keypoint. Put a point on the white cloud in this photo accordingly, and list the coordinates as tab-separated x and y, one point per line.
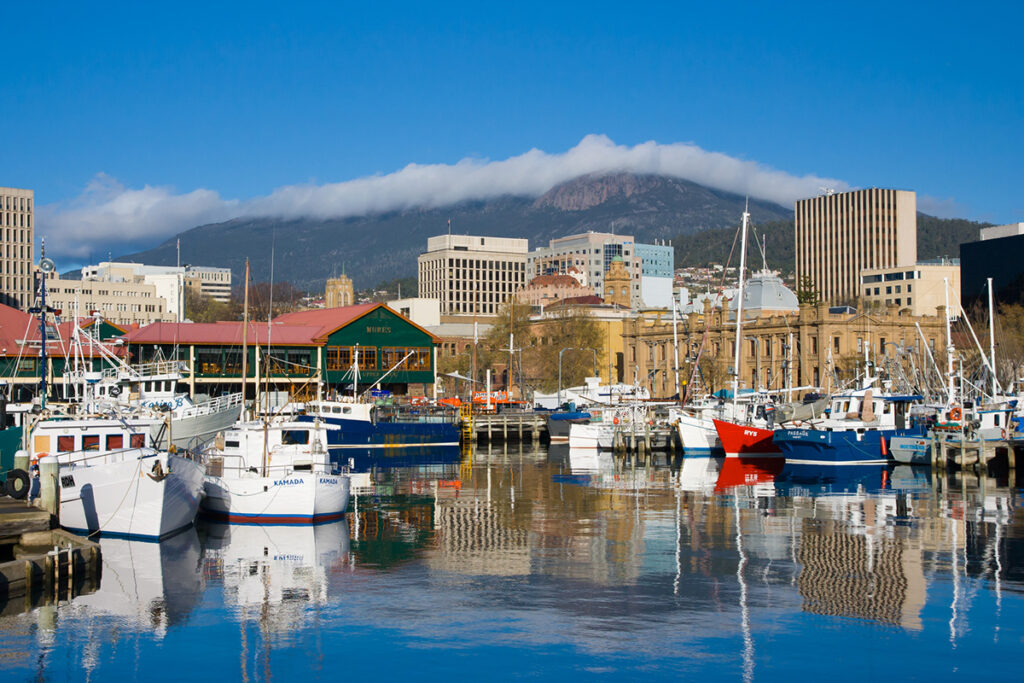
109	214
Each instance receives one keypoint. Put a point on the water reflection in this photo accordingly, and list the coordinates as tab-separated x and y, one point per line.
654	566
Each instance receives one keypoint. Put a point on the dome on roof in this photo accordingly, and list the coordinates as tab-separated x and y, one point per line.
616	258
765	292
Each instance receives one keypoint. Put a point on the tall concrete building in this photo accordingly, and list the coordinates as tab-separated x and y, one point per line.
472	275
839	235
650	266
16	235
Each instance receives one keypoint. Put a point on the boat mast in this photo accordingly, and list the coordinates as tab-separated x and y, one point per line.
949	346
675	342
992	340
739	310
245	332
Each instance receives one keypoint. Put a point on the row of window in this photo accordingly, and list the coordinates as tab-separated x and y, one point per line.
408	358
888	290
10	203
91	442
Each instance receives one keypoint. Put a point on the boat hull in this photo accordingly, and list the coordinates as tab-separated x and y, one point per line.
129	497
592	436
698	436
296	498
746	441
193	430
910	450
846	447
559	424
365	434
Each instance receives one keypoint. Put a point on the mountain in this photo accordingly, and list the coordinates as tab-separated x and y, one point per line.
936	237
384	246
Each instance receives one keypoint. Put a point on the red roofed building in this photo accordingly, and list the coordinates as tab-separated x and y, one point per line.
298	350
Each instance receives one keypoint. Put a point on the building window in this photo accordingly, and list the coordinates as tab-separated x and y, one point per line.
835	344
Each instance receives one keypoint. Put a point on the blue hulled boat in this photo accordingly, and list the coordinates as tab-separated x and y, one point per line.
360	426
856	430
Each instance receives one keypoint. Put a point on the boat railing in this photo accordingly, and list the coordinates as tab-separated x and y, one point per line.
155	368
214	405
83	457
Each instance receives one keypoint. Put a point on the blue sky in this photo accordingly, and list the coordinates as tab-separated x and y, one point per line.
234	101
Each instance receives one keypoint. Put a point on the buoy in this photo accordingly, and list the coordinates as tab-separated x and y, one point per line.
955	414
615	420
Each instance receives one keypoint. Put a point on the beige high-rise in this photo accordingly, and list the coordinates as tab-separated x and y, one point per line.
839	235
472	275
16	235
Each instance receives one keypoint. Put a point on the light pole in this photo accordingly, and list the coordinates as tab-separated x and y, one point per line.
757	360
570	348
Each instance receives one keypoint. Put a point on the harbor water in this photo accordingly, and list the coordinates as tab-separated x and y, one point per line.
554	565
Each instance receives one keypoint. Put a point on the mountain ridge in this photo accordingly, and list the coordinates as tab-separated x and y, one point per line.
383	246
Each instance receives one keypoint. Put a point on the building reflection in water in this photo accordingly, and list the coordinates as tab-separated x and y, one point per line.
590	544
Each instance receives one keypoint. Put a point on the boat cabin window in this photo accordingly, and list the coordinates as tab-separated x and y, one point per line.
91	442
846	407
231	444
346	410
65	444
887	409
294	436
115	441
996	416
337	409
137	440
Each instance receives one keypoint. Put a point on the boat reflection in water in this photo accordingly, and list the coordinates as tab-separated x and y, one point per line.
273	573
655	568
148	586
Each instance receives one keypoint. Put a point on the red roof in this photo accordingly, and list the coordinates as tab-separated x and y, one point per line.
301	328
17	326
327	320
590	300
558	280
224	333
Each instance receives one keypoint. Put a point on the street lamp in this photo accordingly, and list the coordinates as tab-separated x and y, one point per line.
571	348
757	360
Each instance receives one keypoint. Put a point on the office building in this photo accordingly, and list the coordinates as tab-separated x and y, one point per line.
650	266
995	255
921	289
212	282
839	235
472	275
121	303
16	237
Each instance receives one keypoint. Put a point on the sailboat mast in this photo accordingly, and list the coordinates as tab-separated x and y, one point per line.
992	340
739	312
949	346
245	332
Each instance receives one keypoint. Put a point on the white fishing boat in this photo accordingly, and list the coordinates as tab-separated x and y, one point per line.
274	473
113	482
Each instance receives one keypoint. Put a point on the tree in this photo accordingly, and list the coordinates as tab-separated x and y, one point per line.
201	308
806	292
286	298
575	329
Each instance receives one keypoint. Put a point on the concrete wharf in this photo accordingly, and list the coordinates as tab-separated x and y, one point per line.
39	564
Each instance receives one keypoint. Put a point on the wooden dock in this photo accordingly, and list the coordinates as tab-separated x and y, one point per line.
956	450
520	427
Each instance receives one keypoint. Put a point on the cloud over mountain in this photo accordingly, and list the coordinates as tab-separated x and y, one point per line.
107	213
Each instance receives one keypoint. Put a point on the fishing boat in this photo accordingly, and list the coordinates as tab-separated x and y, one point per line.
560	423
746	441
360	424
856	431
274	472
113	481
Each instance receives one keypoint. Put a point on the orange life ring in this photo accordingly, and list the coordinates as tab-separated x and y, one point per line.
1002	433
955	414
